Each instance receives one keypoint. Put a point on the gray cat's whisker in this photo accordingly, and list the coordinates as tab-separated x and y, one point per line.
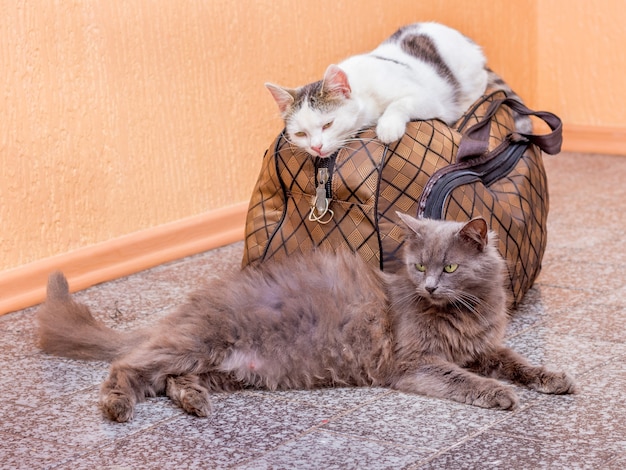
410	297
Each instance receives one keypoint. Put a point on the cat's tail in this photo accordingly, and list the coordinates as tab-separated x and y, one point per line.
68	329
523	124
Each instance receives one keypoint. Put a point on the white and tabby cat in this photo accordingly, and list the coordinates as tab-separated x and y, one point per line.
423	71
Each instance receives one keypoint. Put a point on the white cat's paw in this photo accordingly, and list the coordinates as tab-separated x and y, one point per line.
390	128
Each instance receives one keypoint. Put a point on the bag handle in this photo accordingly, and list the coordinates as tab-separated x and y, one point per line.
475	141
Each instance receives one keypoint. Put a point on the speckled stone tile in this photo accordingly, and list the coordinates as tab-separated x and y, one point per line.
33	381
242	427
584	177
140	299
596	321
587	228
491	450
578	431
571	240
540	304
75	420
592	419
157	450
542	346
125	307
618	462
17	453
585	276
189	272
19	336
406	419
342	399
327	450
249	421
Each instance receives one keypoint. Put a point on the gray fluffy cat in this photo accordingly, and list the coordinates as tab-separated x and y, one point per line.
319	320
423	71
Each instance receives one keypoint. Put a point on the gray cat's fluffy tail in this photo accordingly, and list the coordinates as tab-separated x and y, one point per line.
68	329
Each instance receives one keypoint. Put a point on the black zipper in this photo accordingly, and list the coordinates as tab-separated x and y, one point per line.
328	163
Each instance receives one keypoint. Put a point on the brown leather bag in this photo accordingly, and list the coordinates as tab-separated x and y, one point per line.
478	167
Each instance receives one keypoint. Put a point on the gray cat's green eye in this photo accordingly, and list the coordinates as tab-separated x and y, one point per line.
420	267
450	268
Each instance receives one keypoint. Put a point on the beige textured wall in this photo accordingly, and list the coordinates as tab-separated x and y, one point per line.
583	61
118	116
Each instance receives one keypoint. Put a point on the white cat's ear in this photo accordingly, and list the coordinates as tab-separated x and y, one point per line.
476	232
336	81
284	97
413	224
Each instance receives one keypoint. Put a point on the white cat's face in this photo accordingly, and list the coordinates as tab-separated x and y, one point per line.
321	132
319	117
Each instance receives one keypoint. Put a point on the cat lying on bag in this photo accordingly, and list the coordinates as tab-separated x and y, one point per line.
423	71
319	320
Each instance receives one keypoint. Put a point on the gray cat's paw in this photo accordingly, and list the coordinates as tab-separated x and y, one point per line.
117	406
390	128
558	383
190	396
501	398
196	402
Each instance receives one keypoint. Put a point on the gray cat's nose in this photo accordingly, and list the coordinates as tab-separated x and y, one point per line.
431	289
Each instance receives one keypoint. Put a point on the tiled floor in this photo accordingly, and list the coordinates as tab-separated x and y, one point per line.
574	318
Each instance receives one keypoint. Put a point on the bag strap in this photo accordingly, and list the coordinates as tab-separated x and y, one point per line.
475	141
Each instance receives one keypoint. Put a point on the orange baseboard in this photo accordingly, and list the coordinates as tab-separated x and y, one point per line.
26	285
593	139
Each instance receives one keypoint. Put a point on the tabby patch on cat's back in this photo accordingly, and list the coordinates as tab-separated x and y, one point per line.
323	319
422	71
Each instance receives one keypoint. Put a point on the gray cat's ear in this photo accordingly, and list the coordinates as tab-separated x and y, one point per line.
411	223
336	82
476	232
284	97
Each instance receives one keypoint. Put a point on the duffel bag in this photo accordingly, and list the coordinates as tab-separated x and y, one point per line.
479	167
